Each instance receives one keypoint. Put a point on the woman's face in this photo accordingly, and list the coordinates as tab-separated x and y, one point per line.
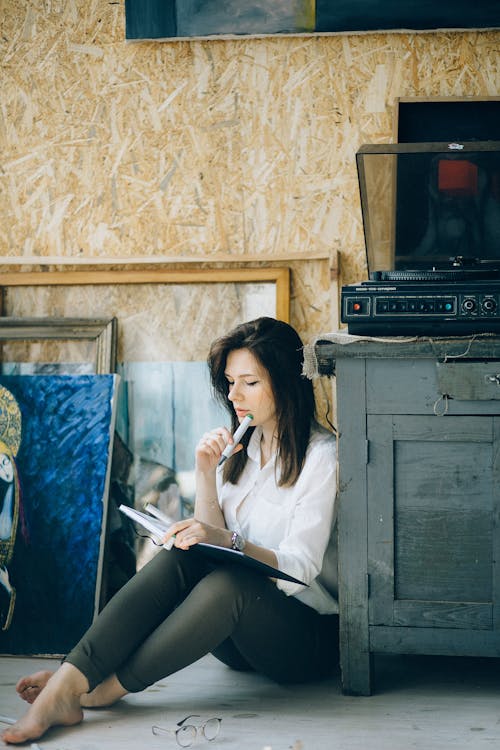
6	468
250	389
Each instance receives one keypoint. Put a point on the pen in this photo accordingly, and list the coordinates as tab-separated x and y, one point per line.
229	449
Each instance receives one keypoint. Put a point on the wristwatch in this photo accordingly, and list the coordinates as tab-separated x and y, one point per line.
237	542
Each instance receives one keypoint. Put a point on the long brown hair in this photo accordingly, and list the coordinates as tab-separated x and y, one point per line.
278	348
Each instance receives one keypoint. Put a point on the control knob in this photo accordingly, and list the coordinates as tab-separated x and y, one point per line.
469	305
489	305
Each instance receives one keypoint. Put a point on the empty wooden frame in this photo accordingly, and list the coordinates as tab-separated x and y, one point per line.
162	314
52	335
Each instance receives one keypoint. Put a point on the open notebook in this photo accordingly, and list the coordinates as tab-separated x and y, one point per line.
157	524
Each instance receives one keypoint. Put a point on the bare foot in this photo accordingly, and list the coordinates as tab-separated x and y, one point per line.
57	704
106	694
29	687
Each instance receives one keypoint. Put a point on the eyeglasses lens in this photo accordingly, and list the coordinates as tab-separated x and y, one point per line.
211	729
186	735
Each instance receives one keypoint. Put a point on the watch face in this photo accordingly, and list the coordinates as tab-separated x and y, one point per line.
238	542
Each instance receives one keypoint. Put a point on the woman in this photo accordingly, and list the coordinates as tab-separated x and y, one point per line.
274	498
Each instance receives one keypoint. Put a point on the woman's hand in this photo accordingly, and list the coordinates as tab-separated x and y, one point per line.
210	447
190	531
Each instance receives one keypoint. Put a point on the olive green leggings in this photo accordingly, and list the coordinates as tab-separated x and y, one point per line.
181	606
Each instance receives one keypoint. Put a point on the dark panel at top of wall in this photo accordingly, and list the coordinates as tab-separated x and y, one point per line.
438	122
370	15
157	19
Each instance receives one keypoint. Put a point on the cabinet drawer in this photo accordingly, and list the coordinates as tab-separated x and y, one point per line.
469	381
426	386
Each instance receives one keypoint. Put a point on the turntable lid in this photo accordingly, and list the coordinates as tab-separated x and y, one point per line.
426	204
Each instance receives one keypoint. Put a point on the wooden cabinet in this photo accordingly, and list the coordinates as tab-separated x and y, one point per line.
419	497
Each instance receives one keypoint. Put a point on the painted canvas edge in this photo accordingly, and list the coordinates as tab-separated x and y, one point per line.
105	496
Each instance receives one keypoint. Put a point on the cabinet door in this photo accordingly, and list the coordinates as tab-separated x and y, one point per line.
433	521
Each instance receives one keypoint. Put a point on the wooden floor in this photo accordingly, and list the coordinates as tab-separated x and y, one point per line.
420	702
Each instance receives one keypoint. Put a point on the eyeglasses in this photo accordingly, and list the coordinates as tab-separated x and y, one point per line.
185	734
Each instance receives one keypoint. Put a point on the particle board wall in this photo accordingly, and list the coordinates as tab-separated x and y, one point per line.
242	148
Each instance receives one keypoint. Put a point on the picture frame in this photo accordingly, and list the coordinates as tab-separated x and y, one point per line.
152	305
96	336
280	276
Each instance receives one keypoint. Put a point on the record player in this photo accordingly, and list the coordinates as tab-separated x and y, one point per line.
431	218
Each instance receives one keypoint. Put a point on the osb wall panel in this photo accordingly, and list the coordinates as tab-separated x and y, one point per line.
243	147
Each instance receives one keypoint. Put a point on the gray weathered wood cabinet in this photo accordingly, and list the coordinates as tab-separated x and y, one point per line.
419	497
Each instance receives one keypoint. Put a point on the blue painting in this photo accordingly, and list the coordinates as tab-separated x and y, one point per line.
56	436
171	19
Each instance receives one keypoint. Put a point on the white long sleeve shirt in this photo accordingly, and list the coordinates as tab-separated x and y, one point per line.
296	523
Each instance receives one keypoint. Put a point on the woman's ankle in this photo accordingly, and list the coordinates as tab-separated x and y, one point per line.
71	678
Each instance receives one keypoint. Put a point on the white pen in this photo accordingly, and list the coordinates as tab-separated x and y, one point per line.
230	447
